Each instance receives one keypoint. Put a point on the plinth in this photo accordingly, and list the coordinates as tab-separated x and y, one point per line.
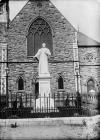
44	101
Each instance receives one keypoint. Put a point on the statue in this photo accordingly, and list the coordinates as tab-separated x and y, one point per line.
42	55
44	78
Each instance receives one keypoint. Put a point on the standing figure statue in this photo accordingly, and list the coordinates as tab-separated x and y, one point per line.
44	78
42	55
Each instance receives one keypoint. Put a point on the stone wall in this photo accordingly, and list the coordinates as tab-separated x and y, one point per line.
27	71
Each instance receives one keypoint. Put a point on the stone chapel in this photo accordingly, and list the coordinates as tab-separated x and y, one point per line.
75	58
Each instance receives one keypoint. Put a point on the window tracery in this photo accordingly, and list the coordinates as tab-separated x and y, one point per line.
38	33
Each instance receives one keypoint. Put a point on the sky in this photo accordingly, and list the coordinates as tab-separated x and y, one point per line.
84	15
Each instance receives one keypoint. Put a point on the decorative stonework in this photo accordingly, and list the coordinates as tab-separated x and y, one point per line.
39	4
67	53
89	57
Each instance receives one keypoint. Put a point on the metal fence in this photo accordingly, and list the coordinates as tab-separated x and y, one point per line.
66	105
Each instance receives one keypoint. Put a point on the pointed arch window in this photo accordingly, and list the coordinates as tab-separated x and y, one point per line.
36	89
20	83
60	83
90	85
39	32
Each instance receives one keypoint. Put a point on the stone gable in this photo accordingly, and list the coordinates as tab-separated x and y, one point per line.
62	31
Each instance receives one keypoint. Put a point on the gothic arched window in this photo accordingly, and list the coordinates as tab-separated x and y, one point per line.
20	83
36	89
60	83
39	32
90	85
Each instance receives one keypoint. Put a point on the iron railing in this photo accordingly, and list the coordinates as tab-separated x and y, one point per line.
27	106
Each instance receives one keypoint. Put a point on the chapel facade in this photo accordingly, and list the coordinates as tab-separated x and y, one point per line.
74	64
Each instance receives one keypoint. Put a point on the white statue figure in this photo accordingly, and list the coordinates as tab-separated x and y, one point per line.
42	55
44	78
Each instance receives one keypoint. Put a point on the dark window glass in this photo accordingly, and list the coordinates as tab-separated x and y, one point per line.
39	32
60	83
36	89
20	84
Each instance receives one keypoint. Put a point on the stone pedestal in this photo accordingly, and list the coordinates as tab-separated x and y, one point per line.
44	100
44	85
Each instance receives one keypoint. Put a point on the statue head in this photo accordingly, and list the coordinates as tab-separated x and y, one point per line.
43	45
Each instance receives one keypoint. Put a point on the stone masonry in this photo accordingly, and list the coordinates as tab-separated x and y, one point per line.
89	66
63	35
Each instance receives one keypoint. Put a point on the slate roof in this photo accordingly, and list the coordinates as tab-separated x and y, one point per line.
84	40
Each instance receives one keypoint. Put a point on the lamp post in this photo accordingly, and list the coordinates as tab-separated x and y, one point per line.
77	76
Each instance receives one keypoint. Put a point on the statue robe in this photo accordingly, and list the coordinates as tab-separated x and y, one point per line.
42	55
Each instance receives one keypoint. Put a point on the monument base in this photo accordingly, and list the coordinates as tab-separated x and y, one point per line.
45	103
44	85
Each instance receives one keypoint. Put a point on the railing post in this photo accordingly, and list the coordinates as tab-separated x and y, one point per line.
54	102
35	105
16	98
40	103
72	99
26	100
30	100
11	99
63	100
44	103
49	102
